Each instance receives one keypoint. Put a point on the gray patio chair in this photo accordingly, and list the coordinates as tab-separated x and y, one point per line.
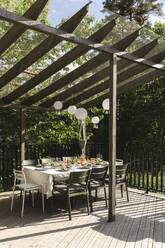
121	178
24	186
119	161
76	185
29	162
97	181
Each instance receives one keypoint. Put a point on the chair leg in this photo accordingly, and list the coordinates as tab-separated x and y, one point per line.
105	194
87	196
43	203
12	199
90	200
69	208
95	194
21	193
23	202
121	188
32	194
126	188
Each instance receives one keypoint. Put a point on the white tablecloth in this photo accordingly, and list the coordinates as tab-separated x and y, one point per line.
44	177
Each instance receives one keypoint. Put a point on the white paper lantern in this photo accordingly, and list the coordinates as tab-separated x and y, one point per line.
72	109
95	121
105	105
58	106
81	114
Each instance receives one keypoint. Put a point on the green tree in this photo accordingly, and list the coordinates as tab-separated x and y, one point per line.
159	28
40	126
138	10
142	121
23	44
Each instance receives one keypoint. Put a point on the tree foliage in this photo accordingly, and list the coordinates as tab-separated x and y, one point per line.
40	126
22	45
138	10
159	28
140	112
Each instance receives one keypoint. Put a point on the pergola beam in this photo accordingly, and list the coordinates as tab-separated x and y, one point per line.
141	52
136	69
17	30
78	88
84	68
59	64
39	27
87	94
64	81
86	83
123	87
73	75
44	47
18	106
95	101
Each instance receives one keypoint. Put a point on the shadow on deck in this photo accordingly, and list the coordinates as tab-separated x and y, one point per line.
139	223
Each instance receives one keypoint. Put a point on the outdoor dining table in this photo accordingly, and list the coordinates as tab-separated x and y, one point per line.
45	176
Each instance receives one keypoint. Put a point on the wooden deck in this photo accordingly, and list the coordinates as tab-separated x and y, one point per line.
139	223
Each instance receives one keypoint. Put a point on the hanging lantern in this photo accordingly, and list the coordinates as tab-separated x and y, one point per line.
105	105
72	109
81	114
58	106
95	121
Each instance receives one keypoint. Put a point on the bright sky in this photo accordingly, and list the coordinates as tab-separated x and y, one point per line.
66	8
159	18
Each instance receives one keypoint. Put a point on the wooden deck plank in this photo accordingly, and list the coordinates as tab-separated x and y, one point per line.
76	239
142	226
117	232
163	213
71	232
158	227
139	223
128	225
78	230
90	236
132	236
151	232
107	233
146	231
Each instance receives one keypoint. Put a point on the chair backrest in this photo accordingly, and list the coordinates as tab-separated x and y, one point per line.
79	176
119	161
19	175
121	170
29	162
47	160
99	173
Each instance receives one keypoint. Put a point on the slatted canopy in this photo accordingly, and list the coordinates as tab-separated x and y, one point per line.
123	63
133	68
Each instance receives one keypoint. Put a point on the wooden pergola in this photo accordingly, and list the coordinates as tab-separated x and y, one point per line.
118	81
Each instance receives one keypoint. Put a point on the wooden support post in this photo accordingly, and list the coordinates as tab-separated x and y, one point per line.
112	138
22	134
